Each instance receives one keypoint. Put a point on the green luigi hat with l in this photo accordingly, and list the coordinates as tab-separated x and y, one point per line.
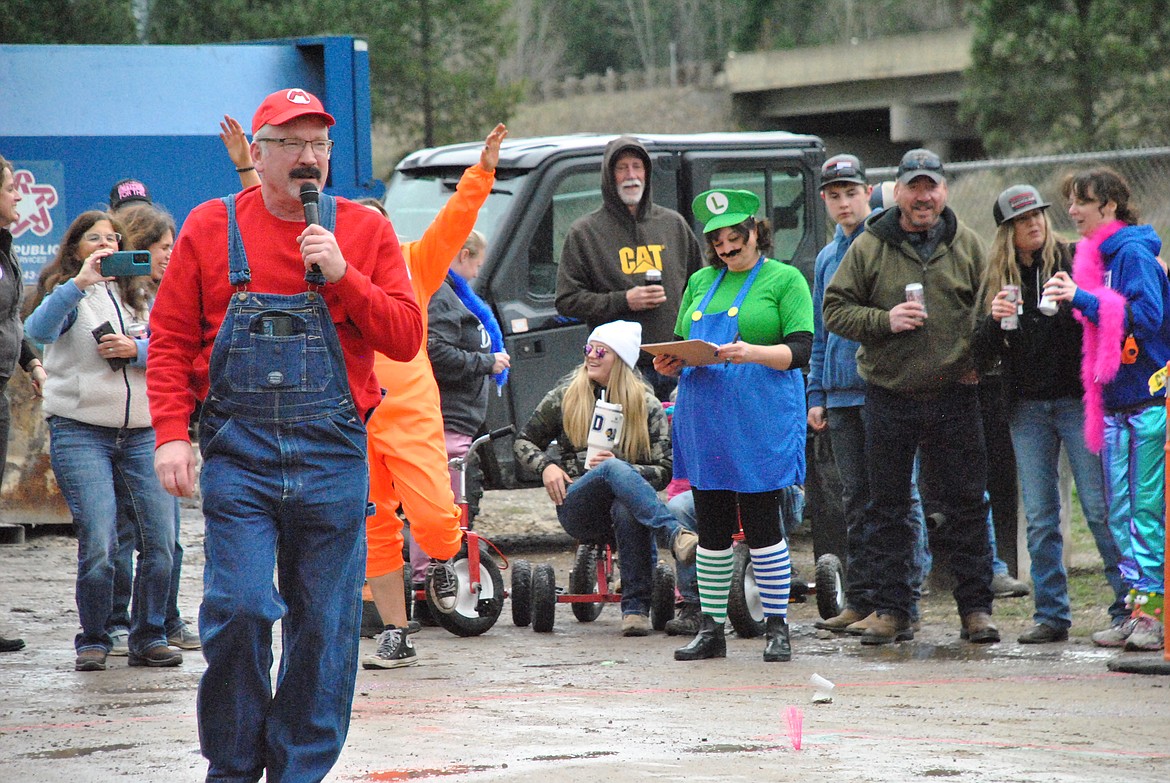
720	208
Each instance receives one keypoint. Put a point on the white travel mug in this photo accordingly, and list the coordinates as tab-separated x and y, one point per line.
605	428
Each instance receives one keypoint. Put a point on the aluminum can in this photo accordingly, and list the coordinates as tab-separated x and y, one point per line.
914	293
653	277
1012	321
1048	305
136	330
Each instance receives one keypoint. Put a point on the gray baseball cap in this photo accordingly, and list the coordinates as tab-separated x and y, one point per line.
1015	201
920	163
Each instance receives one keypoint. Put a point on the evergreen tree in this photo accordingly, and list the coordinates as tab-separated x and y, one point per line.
1069	74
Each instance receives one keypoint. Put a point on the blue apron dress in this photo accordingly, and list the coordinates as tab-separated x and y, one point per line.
737	427
285	487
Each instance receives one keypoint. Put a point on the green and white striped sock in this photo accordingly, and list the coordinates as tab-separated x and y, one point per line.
714	568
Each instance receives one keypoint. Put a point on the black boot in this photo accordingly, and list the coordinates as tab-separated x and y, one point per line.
777	646
708	643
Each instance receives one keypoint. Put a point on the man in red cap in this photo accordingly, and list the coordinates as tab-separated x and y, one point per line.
274	324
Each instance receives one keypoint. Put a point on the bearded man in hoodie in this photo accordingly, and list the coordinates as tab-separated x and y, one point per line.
630	258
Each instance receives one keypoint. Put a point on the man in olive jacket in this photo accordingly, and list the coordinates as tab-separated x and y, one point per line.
922	394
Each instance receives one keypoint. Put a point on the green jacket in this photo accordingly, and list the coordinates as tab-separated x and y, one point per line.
546	425
872	280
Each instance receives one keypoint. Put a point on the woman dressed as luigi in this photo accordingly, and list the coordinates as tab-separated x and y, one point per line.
739	424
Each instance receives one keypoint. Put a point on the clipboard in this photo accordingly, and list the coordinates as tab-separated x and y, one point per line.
695	353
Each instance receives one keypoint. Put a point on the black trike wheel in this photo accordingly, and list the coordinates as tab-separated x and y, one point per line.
830	586
544	598
473	614
583	581
744	608
662	597
521	593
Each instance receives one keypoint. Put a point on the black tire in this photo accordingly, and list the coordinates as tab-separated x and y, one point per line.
744	609
521	594
473	615
544	598
662	597
830	586
583	581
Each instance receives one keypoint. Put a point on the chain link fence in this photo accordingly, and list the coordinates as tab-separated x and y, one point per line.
974	185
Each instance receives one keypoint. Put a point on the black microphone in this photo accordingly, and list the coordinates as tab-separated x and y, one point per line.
309	198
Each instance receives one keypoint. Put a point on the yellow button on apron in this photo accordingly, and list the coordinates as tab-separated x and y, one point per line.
696	316
734	311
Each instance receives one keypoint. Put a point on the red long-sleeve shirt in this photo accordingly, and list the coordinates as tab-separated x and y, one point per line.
372	305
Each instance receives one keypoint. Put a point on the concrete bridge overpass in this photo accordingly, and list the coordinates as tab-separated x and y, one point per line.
876	98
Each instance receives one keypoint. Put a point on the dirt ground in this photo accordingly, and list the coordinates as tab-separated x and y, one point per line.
584	704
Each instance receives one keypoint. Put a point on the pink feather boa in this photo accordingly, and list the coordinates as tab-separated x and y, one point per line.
1101	345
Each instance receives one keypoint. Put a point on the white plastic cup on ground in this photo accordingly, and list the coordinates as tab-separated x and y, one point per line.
822	689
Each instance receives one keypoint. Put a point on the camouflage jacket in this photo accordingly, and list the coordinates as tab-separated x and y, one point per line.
545	426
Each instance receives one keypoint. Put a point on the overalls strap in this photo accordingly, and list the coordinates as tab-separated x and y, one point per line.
238	272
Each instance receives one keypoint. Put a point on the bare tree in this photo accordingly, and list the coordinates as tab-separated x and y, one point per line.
539	51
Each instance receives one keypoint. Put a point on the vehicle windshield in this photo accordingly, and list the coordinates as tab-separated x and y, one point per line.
413	199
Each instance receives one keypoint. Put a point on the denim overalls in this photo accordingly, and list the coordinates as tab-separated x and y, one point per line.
285	487
737	426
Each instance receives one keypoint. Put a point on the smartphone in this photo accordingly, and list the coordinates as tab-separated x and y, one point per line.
126	263
116	362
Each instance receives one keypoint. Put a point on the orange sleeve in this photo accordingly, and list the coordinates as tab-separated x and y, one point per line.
431	255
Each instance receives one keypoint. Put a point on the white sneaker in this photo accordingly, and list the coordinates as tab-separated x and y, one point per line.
120	639
1147	635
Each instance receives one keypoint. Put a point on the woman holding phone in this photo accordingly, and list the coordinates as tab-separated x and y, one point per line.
101	442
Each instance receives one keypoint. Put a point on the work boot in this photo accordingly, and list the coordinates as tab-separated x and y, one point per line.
156	656
777	646
91	660
861	626
838	624
635	624
709	642
886	629
686	622
978	629
1006	586
1042	633
684	545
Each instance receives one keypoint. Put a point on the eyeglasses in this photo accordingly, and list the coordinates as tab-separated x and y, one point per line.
297	146
111	238
595	350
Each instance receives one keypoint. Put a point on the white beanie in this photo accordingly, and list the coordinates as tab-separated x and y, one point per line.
624	337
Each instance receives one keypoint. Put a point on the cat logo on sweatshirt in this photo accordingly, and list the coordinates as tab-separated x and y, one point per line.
637	260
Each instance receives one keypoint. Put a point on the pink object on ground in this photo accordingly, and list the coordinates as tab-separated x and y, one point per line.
794	718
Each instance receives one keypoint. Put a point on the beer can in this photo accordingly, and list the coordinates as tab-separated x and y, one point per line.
136	330
653	277
914	293
1048	305
1013	296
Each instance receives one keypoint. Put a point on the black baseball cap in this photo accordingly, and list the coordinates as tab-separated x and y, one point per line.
843	168
128	191
920	163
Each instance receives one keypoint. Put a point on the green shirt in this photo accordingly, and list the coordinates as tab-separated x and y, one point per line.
778	304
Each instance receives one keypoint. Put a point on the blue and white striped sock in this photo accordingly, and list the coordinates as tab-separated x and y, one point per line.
773	570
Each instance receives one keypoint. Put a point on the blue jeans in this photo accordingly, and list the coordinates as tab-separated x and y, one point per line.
124	577
635	517
947	434
289	498
1039	427
103	471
